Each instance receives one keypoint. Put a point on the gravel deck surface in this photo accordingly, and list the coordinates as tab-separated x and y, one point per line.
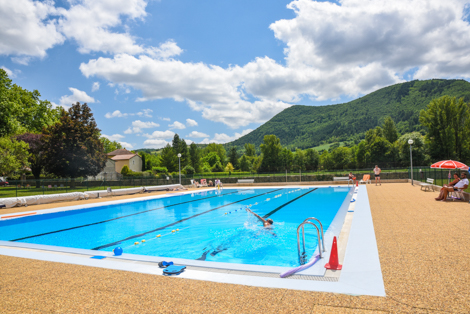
424	252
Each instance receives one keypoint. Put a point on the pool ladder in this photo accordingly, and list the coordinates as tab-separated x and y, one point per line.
321	244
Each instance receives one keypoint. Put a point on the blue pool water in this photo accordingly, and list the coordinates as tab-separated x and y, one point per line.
213	226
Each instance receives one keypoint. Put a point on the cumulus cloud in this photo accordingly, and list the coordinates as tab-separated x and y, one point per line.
166	119
191	122
26	28
138	125
221	138
77	95
114	137
339	49
196	134
126	145
177	125
95	86
166	50
155	143
145	113
115	114
161	135
10	73
118	114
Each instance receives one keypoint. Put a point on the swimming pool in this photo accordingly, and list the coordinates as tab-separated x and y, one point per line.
208	225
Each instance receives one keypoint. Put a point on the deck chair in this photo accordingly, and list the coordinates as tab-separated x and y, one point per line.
49	186
457	195
365	179
194	184
203	182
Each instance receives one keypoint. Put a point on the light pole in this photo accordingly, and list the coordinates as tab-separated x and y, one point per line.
410	141
179	165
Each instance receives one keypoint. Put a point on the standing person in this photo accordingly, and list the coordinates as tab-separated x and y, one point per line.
352	177
377	172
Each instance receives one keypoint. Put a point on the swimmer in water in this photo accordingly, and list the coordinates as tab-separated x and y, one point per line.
267	223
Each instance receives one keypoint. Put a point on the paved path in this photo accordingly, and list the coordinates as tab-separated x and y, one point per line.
424	251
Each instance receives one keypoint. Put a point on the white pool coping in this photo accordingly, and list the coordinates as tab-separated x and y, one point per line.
361	273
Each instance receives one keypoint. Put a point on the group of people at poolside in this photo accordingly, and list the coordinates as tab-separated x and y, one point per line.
377	172
459	184
210	183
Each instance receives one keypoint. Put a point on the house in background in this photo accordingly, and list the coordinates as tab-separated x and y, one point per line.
122	157
116	160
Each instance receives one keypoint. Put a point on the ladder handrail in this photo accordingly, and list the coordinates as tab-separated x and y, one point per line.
306	221
321	228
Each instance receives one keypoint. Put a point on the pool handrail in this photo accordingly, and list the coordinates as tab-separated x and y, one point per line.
306	221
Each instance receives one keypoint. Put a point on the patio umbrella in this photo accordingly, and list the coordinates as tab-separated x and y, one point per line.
449	164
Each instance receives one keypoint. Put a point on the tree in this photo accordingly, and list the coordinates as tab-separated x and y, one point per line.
180	147
271	148
244	163
326	161
73	148
36	153
418	149
299	160
229	167
286	157
109	145
212	158
125	170
250	150
312	159
13	155
390	130
233	157
21	110
216	148
144	162
448	123
194	156
169	158
341	157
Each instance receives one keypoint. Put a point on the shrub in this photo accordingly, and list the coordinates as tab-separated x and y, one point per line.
125	170
159	169
189	170
217	167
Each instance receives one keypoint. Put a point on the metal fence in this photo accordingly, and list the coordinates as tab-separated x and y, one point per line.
19	188
440	176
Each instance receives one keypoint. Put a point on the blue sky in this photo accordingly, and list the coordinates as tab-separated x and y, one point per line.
214	70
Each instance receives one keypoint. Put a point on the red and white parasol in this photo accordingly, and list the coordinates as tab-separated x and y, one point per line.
449	164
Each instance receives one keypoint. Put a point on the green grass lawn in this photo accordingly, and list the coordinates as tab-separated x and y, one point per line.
12	191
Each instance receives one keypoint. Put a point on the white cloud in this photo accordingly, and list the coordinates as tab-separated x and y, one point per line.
138	125
115	114
191	122
221	138
177	125
166	50
145	113
196	134
166	119
127	145
161	135
26	28
155	143
114	137
188	142
77	95
9	72
332	50
95	87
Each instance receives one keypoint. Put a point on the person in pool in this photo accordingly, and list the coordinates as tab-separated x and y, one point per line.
267	223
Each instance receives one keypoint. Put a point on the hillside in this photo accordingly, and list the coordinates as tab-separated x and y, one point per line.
310	126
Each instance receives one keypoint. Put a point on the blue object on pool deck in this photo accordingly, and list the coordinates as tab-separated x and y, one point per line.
118	251
174	270
164	264
98	257
297	269
353	200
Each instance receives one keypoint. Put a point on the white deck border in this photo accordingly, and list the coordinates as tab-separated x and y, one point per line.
361	274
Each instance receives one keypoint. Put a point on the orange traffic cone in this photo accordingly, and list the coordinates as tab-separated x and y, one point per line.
334	263
357	183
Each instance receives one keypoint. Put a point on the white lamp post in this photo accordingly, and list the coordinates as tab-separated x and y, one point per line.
410	141
179	165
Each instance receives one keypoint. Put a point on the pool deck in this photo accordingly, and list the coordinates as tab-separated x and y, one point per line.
423	248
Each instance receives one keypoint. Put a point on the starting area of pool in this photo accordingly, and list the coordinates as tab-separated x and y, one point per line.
209	230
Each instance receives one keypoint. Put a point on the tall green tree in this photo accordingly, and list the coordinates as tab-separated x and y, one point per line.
448	123
250	150
180	147
21	110
312	159
326	161
194	156
73	147
362	155
13	155
109	145
420	157
219	149
233	157
286	159
341	157
299	160
169	158
244	163
390	130
36	153
270	149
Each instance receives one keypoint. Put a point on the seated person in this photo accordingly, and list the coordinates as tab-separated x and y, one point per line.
196	183
211	183
267	223
352	177
456	179
461	185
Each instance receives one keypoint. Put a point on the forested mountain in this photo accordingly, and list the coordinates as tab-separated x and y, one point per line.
310	126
